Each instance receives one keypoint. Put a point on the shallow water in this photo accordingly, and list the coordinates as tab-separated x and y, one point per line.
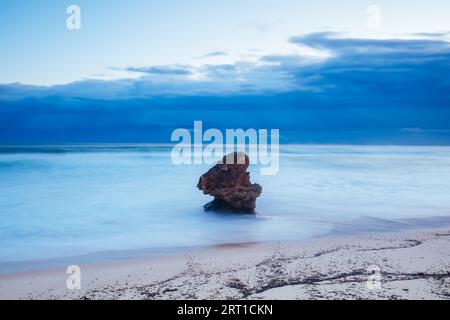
59	202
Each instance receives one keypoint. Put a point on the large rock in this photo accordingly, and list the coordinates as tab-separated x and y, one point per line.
229	183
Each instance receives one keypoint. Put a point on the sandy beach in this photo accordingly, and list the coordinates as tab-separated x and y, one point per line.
406	265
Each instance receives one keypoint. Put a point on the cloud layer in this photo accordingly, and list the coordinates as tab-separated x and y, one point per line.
366	91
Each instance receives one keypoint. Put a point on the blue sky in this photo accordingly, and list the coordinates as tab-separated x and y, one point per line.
138	69
119	34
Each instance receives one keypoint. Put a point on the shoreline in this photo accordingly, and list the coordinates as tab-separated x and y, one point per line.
365	226
412	264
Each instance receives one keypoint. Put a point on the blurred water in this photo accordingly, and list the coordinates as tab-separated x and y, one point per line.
57	202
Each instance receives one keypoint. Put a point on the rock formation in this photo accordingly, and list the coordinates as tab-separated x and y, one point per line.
229	183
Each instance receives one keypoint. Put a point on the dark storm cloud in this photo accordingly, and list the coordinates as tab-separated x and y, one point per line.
366	91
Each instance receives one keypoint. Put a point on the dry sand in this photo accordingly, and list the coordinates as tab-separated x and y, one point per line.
413	265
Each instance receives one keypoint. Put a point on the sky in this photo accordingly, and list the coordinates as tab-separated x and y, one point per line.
120	34
138	69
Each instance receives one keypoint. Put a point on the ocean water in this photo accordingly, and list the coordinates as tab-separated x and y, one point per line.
68	201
